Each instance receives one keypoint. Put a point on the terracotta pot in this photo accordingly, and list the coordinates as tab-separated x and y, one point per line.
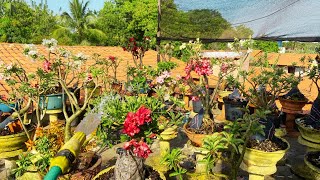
90	172
307	133
197	139
292	106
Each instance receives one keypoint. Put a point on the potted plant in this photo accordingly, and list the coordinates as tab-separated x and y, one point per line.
114	63
62	69
130	161
203	123
262	85
309	126
137	48
16	129
293	101
234	148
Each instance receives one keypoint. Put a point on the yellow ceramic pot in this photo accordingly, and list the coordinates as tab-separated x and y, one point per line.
12	145
260	163
308	133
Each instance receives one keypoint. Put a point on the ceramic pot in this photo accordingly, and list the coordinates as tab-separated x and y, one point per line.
12	145
308	133
309	164
259	163
292	106
8	108
197	139
52	101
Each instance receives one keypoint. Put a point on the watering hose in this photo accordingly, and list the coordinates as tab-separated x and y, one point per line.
60	164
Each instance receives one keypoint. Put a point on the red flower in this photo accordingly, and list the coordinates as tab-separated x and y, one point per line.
112	58
140	149
134	120
89	77
143	115
131	39
125	49
47	65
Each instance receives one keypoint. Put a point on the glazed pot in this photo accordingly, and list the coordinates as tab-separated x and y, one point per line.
292	106
259	163
12	145
233	109
197	139
309	164
52	101
308	133
8	108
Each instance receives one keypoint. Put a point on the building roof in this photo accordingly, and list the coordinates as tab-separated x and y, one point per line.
284	59
13	52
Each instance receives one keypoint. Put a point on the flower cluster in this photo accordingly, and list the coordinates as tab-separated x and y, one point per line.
160	79
133	121
140	149
137	48
201	67
51	44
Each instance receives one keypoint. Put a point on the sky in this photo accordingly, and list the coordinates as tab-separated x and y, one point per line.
55	5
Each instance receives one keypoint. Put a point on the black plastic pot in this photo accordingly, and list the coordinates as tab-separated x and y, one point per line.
234	109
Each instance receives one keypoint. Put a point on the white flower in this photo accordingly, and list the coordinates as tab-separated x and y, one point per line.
183	46
9	66
230	46
81	56
242	42
50	43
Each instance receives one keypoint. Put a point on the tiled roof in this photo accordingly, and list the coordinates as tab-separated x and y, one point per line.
13	52
284	59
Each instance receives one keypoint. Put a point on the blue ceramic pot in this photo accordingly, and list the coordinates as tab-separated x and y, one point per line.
6	109
52	101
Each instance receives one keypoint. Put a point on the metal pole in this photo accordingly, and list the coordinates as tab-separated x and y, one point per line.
158	31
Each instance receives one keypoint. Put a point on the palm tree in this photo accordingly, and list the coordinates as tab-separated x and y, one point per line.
80	22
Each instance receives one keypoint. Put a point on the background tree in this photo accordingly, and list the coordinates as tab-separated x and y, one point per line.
80	23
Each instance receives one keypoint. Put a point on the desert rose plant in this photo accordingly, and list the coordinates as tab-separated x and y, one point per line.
129	164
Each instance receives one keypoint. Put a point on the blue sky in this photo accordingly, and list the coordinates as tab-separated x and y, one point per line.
55	5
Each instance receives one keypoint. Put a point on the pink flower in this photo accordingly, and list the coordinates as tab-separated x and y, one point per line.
89	77
160	79
195	98
47	65
224	68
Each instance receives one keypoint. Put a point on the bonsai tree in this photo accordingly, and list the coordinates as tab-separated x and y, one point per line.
263	84
227	146
137	126
313	73
65	70
203	67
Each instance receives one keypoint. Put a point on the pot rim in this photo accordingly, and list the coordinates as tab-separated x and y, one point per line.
275	152
290	100
311	166
303	127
